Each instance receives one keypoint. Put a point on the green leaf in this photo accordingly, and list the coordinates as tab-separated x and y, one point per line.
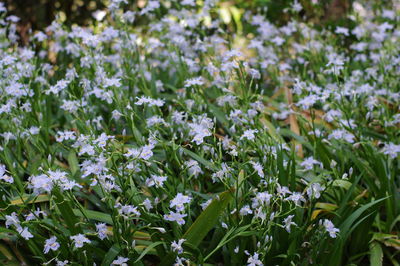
271	130
220	116
200	159
94	215
394	222
347	226
29	199
229	236
349	192
64	207
207	219
73	162
111	254
149	248
204	223
342	183
376	254
326	206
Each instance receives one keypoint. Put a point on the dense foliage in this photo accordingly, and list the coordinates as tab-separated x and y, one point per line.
205	135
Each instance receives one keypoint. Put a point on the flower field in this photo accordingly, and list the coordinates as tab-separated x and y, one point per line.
202	133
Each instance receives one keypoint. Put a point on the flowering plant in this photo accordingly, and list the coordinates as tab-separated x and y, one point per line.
206	135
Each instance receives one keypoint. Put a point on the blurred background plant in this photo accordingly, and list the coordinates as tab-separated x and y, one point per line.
38	14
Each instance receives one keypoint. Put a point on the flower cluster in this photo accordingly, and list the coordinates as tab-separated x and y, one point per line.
193	132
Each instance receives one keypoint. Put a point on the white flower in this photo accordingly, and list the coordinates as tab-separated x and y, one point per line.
69	184
297	6
391	149
177	246
147	204
230	54
127	210
254	260
101	141
178	201
24	232
151	5
194	81
70	106
249	134
175	217
101	229
222	174
308	101
120	261
254	73
200	128
181	261
79	240
288	222
340	134
160	229
87	148
155	120
45	183
309	162
282	190
151	102
342	30
258	167
330	228
12	220
108	82
193	168
145	152
236	250
116	115
236	116
260	214
262	198
33	216
336	62
296	197
205	204
66	135
188	3
156	180
245	210
52	244
332	114
60	85
178	117
314	190
230	99
99	15
3	175
40	183
62	263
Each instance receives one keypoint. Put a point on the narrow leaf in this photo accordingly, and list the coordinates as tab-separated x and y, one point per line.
147	250
203	224
111	254
376	254
207	219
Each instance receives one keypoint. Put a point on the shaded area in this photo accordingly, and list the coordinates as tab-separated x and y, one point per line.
38	14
